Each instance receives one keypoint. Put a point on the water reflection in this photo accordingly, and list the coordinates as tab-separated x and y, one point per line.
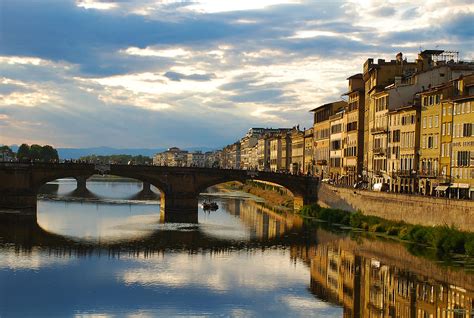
381	279
116	259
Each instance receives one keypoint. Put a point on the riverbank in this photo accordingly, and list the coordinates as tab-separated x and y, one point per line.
274	196
443	239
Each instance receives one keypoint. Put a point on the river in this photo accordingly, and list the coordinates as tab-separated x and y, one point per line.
105	253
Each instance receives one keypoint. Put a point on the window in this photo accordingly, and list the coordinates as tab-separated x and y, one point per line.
444	110
437	98
436	119
423	142
463	158
467	130
396	136
448	129
430	142
430	122
443	129
424	122
435	141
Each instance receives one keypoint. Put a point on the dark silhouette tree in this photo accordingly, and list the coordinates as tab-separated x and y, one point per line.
35	152
48	154
23	152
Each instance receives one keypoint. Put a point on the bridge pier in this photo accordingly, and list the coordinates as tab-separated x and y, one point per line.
18	200
179	208
81	183
146	188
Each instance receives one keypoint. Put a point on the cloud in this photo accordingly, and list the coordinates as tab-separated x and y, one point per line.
175	76
148	73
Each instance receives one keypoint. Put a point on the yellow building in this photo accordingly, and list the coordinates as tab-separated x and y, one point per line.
336	124
308	159
321	134
353	136
403	148
462	152
378	139
297	151
376	77
430	136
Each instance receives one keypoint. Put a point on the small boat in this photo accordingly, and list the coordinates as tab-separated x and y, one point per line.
209	206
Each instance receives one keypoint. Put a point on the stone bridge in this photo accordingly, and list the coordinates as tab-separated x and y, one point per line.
179	186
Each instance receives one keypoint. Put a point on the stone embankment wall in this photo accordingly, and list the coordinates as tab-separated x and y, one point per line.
414	209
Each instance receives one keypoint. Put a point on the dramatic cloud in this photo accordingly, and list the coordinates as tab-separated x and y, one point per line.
196	73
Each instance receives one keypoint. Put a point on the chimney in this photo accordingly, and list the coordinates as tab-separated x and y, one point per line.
399	57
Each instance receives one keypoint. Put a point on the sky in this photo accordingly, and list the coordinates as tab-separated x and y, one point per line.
148	73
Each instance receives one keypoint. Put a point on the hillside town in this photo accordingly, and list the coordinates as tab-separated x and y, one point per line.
402	126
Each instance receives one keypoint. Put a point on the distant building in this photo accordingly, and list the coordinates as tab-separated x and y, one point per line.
297	151
173	157
196	159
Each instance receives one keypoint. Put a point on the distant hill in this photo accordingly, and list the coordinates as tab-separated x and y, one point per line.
76	153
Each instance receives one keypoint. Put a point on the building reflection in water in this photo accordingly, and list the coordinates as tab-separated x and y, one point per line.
263	222
367	283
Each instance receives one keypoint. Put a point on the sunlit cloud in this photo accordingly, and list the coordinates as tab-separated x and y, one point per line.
187	270
170	53
98	5
215	6
32	260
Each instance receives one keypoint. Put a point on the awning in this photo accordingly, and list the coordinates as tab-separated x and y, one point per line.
442	188
460	185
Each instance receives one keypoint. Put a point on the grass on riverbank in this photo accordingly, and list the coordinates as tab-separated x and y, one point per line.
444	239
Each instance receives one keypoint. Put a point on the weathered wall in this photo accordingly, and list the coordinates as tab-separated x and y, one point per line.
413	209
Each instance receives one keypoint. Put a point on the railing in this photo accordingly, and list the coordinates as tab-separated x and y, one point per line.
429	173
380	151
404	173
378	130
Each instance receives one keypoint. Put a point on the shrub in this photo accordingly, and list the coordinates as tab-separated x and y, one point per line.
419	234
379	228
356	219
469	245
448	240
393	230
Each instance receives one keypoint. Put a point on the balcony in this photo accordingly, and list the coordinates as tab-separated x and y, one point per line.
380	151
404	173
429	173
336	116
378	130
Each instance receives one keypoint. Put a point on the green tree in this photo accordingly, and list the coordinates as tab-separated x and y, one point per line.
23	152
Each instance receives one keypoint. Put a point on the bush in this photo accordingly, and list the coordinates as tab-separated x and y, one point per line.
469	245
379	228
356	219
448	240
393	230
419	234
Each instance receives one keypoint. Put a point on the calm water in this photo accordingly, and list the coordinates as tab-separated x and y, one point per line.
109	256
